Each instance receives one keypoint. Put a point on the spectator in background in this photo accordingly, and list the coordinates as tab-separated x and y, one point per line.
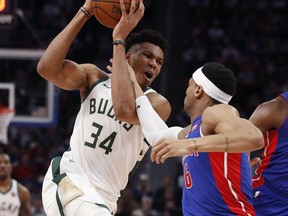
146	208
15	198
164	195
142	187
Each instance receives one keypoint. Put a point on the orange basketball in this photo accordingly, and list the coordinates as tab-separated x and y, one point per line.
108	12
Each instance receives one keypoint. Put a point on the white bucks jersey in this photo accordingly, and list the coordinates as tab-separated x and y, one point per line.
103	149
9	201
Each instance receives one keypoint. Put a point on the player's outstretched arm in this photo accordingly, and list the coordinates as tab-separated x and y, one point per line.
223	130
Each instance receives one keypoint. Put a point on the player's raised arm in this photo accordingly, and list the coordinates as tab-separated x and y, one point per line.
54	66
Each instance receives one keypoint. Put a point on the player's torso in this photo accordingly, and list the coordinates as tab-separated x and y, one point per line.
214	183
105	148
10	201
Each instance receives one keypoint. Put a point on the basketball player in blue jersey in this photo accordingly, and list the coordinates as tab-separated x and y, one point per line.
216	169
107	140
270	183
15	198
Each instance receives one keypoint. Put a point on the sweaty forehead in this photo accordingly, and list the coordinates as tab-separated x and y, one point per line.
148	47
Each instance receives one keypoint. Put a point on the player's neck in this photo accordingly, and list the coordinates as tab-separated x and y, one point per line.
5	184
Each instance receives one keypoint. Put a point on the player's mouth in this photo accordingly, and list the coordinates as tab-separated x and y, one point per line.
148	75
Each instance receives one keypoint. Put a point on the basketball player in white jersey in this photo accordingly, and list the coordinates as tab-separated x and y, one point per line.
107	141
15	198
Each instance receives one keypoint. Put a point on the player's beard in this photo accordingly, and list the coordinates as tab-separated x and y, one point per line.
3	176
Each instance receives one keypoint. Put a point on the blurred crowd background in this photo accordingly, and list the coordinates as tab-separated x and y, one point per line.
249	37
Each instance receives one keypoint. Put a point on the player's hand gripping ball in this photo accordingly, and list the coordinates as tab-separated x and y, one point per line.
108	12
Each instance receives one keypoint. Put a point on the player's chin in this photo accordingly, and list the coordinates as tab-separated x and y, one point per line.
147	81
144	83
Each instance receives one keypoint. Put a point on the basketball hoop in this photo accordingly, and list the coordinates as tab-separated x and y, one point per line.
6	115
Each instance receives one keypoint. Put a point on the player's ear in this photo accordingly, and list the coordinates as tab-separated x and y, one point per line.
199	90
128	55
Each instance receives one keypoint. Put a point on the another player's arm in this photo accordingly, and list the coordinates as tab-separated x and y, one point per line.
269	115
224	121
25	198
223	131
266	116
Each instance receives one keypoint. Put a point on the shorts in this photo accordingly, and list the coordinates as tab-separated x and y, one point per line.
63	198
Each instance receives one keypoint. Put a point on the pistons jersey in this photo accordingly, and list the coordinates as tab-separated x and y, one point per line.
9	201
273	168
216	183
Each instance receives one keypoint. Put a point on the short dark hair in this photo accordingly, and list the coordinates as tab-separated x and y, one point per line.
220	76
147	35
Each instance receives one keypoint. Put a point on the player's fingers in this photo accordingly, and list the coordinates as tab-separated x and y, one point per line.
140	9
109	68
152	155
132	7
160	157
154	152
156	147
158	150
163	158
254	161
122	6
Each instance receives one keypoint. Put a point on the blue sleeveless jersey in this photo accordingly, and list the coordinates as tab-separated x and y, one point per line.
216	183
272	172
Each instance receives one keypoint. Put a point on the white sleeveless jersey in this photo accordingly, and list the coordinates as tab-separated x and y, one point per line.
104	150
9	201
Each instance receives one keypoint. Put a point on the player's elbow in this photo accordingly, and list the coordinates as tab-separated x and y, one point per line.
42	68
124	113
47	69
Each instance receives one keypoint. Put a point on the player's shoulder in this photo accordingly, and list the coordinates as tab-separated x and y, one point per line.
155	97
22	188
24	192
221	110
93	71
93	75
273	106
160	104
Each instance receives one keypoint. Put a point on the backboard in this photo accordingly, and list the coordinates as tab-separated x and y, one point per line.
34	100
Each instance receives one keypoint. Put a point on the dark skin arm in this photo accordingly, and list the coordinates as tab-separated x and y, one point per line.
64	73
268	115
122	88
122	91
25	197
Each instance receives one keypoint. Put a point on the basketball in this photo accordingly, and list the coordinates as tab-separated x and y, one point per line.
108	12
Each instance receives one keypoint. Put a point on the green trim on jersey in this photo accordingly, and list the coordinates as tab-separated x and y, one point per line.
103	79
57	177
140	157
